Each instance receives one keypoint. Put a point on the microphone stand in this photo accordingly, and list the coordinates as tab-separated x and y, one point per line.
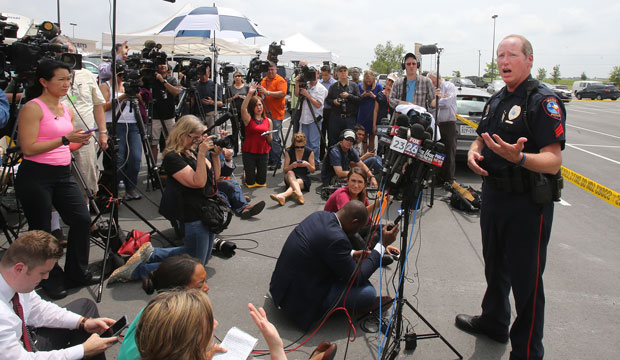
433	172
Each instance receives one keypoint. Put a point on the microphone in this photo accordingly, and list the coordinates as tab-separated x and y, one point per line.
408	155
218	122
428	49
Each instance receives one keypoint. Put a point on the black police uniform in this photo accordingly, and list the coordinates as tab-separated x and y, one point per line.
515	230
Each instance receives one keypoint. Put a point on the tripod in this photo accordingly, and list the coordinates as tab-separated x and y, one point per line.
295	118
411	192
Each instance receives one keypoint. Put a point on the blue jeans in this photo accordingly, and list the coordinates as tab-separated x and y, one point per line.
159	254
375	164
360	297
276	150
198	241
129	153
234	194
313	137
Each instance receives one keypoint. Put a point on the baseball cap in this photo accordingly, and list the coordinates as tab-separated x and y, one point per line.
348	134
393	77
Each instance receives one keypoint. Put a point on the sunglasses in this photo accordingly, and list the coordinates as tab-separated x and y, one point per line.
300	147
238	75
350	139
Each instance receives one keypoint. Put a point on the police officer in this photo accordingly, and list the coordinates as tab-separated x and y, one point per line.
518	150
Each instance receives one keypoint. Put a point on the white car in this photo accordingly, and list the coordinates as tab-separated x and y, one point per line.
470	105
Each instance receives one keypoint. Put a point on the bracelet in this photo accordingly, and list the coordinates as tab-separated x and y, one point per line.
103	131
82	322
522	160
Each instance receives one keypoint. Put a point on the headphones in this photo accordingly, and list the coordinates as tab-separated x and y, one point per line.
408	55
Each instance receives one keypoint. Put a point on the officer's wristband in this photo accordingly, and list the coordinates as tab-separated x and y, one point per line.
522	160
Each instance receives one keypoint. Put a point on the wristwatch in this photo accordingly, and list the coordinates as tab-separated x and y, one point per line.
103	132
64	140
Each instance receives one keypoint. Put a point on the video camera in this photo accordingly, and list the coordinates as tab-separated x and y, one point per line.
258	67
23	56
308	74
193	68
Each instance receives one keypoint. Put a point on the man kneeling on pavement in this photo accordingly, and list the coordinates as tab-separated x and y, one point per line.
31	327
317	264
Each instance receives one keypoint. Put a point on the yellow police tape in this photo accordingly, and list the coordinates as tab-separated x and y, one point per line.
583	182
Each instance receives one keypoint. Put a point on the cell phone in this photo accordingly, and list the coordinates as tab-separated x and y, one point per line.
116	328
90	130
299	161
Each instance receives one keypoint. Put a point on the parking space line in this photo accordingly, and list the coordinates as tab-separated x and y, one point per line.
598	110
594	131
600	146
564	202
581	111
595	154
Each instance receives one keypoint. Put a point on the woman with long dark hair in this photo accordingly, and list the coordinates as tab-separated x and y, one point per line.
256	144
237	92
46	127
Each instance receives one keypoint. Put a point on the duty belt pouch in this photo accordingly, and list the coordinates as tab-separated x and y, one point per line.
540	186
557	182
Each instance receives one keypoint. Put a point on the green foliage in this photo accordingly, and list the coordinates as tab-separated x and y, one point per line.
555	75
487	71
387	58
542	74
456	73
583	76
614	76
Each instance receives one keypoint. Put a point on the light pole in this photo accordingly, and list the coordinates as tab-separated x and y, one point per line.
479	55
493	52
73	25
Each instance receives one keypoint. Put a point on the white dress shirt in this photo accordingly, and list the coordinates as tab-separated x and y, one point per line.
319	93
37	313
447	103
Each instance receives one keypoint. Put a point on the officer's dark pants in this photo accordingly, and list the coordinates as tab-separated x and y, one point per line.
336	125
515	234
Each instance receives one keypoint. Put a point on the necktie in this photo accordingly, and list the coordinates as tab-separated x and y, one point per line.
20	312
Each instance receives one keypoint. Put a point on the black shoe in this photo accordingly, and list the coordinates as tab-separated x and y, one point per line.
55	290
387	260
271	167
88	279
252	210
471	324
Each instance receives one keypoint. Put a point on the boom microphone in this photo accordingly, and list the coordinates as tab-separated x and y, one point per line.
218	122
428	49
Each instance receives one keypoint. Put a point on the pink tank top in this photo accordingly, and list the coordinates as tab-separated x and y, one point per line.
53	127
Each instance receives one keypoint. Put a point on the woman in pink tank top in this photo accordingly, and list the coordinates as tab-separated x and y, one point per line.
45	129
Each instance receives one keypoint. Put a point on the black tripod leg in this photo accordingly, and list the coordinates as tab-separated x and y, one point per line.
106	249
435	332
146	222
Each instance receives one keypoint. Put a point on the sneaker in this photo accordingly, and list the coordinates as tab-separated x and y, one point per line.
134	195
123	273
252	210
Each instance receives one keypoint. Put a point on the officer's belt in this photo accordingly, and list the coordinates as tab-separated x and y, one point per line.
511	179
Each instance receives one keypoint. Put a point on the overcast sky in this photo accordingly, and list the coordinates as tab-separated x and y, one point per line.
578	35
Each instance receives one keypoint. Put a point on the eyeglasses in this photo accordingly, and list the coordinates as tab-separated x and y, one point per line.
350	139
299	147
195	139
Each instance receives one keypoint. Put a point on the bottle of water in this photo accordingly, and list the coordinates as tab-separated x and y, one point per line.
121	189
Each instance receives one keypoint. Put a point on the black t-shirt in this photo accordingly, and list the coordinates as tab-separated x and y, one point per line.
299	171
191	199
164	101
207	90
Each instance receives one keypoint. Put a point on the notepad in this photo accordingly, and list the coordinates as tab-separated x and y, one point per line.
238	343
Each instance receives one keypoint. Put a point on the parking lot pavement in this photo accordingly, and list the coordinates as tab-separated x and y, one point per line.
445	268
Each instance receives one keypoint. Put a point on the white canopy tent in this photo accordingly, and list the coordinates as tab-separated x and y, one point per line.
178	45
299	47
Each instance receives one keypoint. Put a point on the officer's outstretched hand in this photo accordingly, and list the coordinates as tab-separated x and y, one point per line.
473	160
510	152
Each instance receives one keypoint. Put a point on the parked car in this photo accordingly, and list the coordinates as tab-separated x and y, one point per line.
495	86
478	81
470	105
599	92
462	82
564	94
90	67
381	78
581	84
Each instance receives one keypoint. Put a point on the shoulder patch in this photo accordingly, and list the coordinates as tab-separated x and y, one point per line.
551	107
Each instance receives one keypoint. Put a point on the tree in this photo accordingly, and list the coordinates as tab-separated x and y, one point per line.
456	73
487	71
583	76
555	75
388	58
614	76
542	74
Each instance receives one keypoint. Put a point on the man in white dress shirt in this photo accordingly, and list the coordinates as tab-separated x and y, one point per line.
32	328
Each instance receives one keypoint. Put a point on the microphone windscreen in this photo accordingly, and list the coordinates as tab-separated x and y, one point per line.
385	121
427	136
417	131
428	49
402	120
